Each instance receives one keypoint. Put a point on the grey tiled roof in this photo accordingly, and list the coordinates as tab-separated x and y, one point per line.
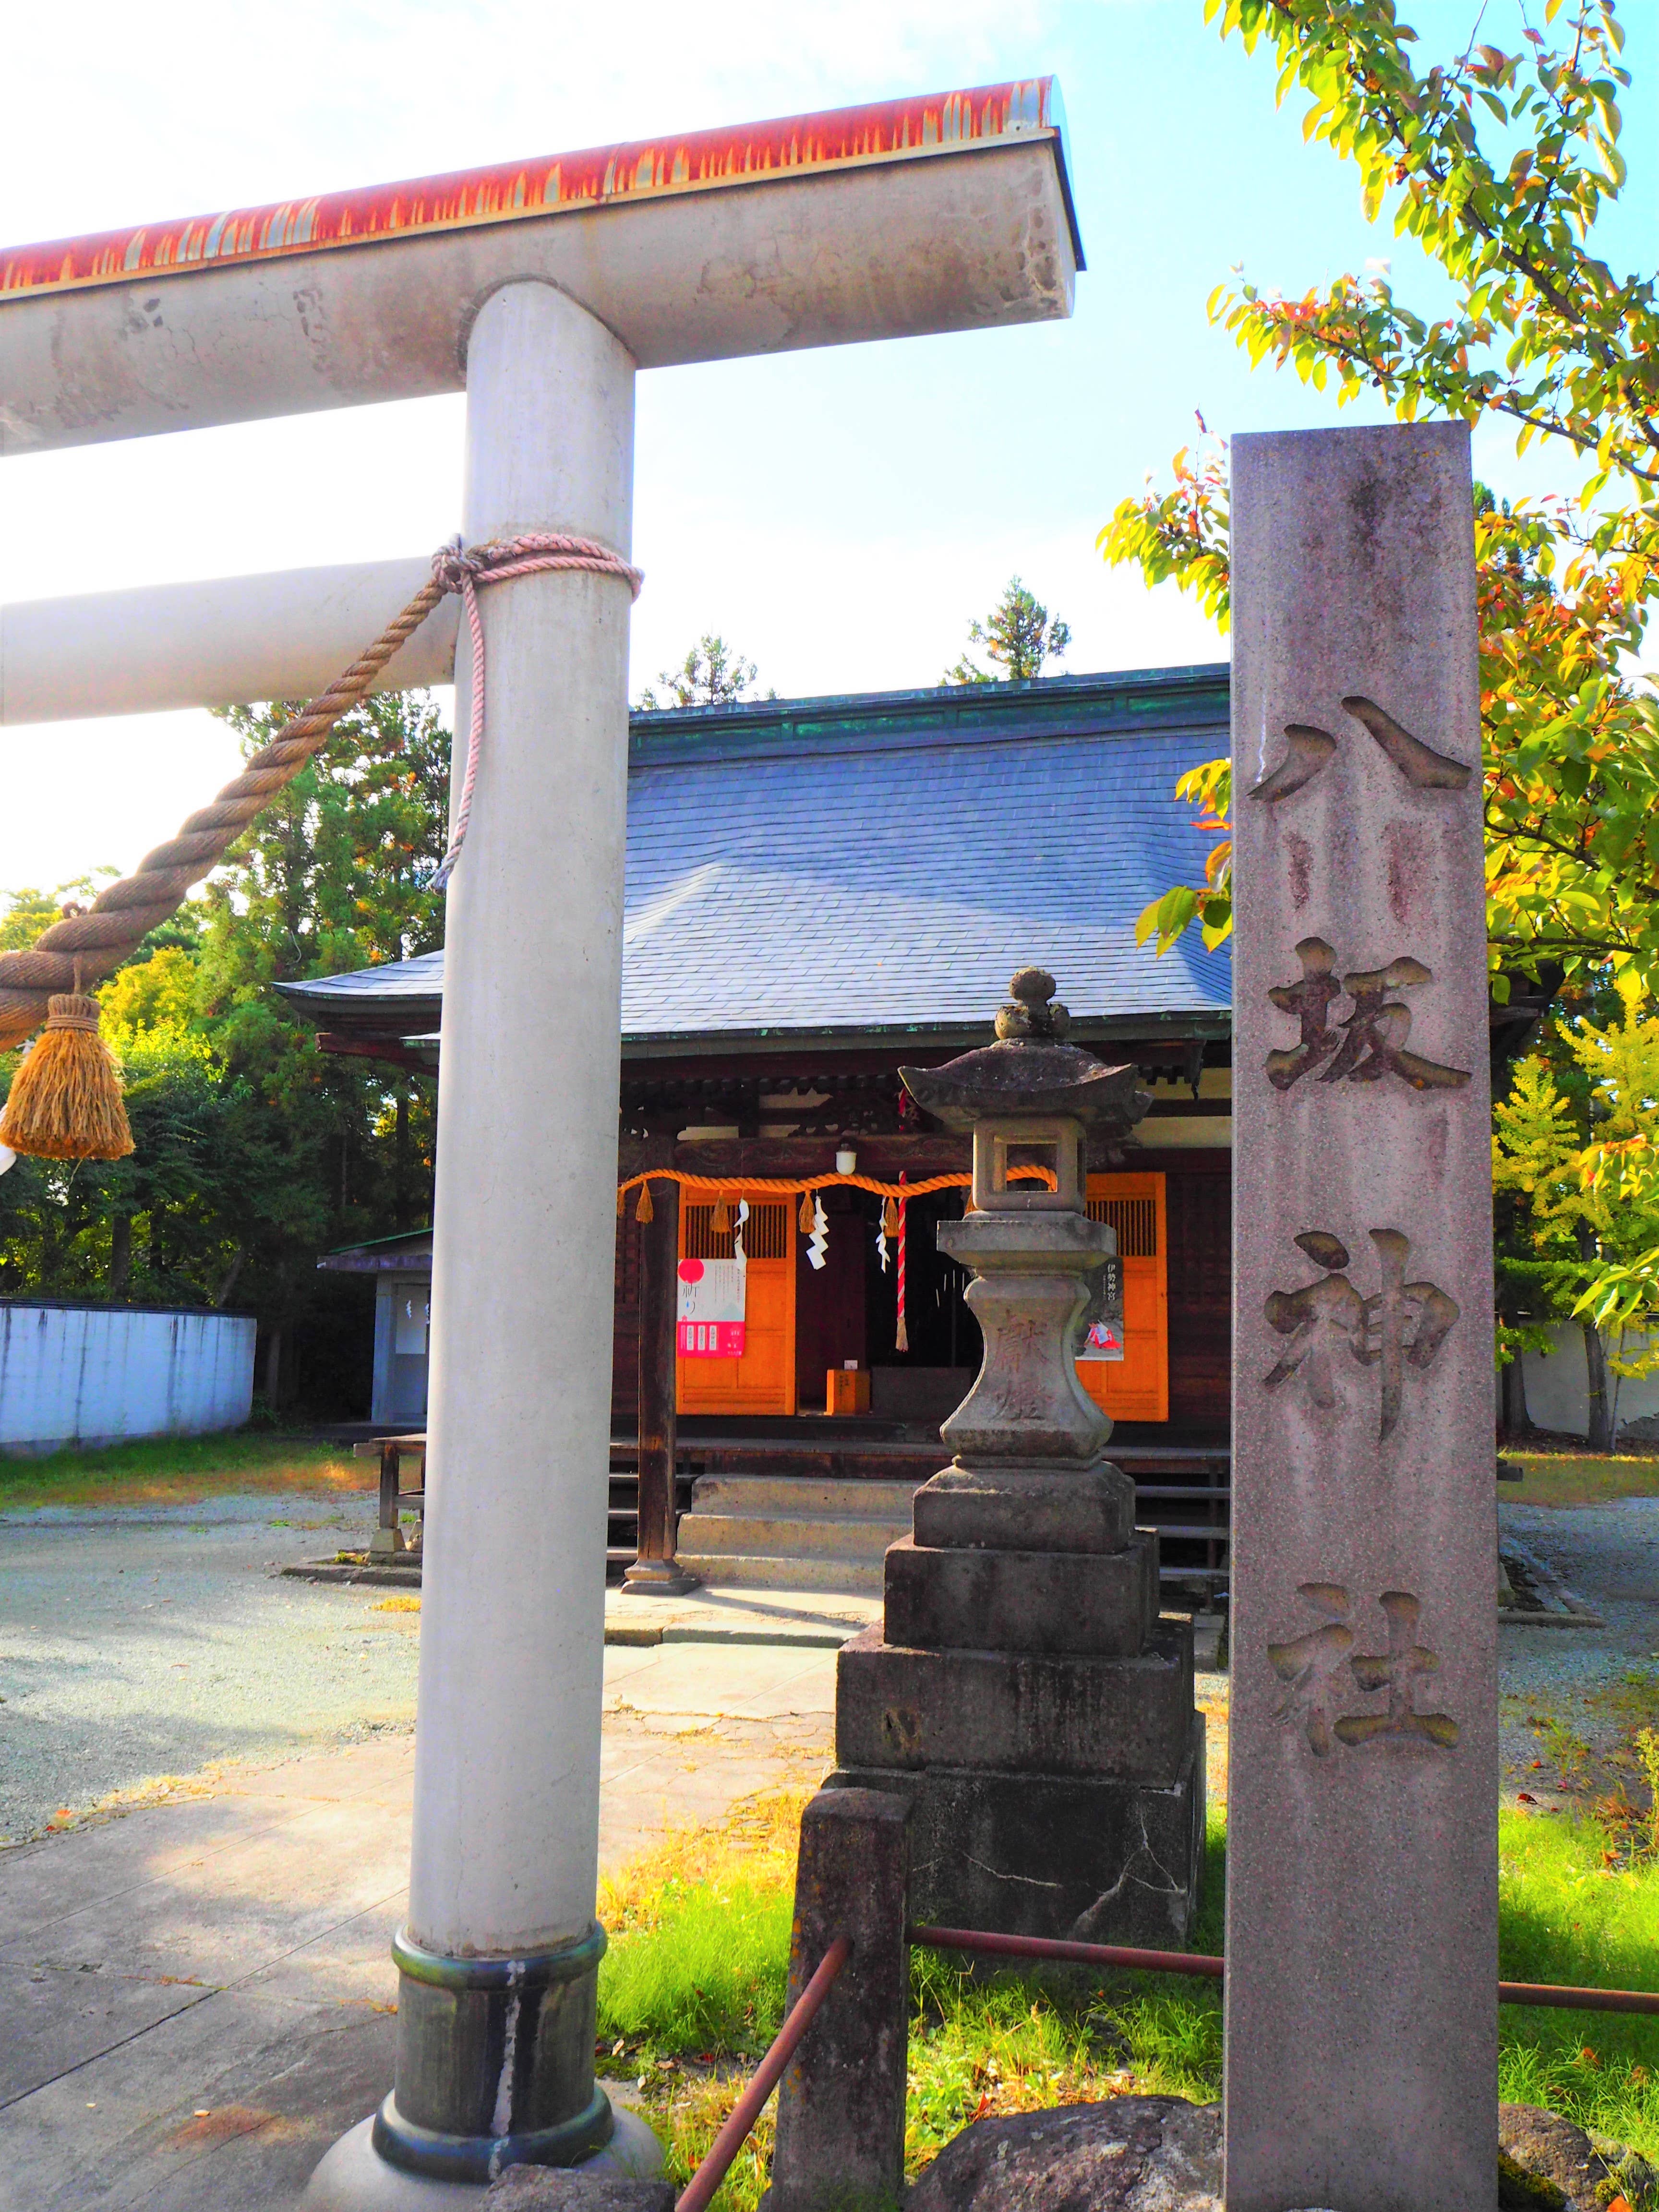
884	862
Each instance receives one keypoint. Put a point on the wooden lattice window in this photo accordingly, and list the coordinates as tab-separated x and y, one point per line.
1135	1220
765	1234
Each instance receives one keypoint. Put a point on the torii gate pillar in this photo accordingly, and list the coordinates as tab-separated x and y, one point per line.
506	1770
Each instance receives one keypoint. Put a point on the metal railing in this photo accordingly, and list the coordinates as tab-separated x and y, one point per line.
700	2189
694	2196
1213	1969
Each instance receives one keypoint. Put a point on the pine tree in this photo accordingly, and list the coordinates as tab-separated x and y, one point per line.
1018	638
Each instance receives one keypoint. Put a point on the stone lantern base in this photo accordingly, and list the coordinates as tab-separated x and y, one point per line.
1055	1767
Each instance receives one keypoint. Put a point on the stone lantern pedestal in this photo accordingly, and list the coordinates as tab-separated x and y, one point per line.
1022	1691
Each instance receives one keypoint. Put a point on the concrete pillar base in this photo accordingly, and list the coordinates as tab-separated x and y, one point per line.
353	2177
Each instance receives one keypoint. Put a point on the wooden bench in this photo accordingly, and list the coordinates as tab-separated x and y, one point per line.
390	1451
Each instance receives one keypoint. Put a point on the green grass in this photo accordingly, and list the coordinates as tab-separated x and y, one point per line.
178	1470
709	1979
1581	1478
1572	1908
692	1989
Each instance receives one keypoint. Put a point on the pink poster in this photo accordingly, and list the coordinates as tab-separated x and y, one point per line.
712	1298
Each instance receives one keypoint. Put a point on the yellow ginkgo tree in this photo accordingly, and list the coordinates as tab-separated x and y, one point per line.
1576	1148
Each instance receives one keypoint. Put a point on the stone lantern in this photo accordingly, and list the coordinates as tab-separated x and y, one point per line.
1022	1691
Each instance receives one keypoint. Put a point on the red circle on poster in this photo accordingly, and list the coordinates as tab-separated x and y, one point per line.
690	1271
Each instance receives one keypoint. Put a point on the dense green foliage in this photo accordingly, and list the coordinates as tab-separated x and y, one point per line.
1498	163
256	1150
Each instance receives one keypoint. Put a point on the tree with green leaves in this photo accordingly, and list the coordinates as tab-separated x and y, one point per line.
1019	638
31	912
1498	163
255	1149
712	675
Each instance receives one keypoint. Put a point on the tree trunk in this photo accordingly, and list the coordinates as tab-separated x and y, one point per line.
273	1367
1513	1418
400	1164
1601	1397
228	1280
120	1255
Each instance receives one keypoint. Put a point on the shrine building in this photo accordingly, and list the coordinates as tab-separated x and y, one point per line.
820	891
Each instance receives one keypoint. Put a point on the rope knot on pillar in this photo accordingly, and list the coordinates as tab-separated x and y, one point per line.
461	568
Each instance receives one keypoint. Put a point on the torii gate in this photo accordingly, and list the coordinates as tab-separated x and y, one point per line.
540	289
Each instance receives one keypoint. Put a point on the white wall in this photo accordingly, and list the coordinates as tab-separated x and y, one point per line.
91	1375
1558	1387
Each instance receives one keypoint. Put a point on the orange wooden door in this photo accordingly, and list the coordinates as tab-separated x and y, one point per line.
763	1380
1137	1387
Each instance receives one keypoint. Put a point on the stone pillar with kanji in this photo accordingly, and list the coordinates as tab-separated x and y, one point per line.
1362	1952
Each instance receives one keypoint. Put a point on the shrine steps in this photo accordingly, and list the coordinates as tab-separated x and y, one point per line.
793	1532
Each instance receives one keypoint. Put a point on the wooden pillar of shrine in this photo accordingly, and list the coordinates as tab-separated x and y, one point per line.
656	1569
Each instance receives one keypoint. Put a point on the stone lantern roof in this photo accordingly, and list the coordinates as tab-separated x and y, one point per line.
1031	1071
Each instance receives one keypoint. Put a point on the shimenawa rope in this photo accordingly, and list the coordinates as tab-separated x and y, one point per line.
95	942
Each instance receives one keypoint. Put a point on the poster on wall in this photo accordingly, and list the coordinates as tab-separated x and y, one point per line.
1103	1337
712	1303
412	1320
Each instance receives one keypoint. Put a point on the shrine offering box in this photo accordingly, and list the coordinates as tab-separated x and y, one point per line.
846	1390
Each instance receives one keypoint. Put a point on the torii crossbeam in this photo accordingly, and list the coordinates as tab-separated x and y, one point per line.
539	287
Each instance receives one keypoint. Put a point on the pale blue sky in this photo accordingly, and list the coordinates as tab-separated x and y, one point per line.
840	515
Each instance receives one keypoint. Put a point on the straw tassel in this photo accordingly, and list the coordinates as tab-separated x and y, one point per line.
645	1211
804	1219
65	1102
720	1220
621	1202
890	1218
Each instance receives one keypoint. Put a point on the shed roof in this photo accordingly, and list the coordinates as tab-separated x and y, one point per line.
842	870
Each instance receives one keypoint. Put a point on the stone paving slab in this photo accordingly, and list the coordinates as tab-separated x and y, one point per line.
823	1619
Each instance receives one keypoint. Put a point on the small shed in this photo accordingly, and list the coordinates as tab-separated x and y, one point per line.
402	1268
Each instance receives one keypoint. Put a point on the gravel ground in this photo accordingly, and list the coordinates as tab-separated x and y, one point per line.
142	1642
148	1641
1608	1555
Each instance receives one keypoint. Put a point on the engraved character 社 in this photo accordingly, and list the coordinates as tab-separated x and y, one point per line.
1322	1669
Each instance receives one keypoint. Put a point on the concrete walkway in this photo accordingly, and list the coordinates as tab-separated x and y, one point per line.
199	1996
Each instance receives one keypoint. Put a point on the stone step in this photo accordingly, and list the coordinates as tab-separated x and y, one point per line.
793	1532
789	1535
845	1576
818	1498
